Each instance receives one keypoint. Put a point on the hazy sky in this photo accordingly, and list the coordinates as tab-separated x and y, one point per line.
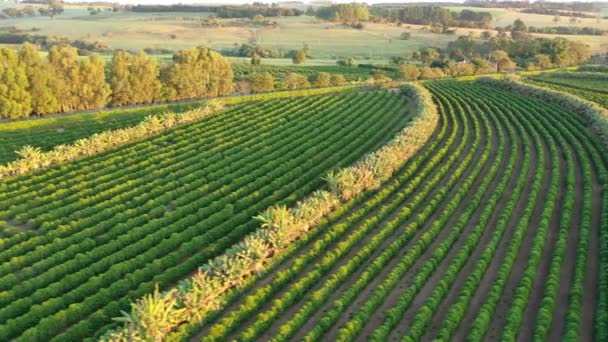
150	2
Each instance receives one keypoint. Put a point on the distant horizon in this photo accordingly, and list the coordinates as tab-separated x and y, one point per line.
241	2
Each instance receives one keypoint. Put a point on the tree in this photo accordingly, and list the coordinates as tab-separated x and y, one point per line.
405	36
55	7
380	76
44	12
296	81
542	61
346	13
428	55
428	73
557	19
519	26
409	72
258	19
29	10
41	80
261	82
134	79
482	66
310	11
337	80
256	60
323	79
299	57
502	61
198	72
15	101
64	63
12	12
351	61
93	91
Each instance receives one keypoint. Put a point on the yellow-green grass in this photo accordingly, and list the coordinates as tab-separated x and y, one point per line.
503	17
327	40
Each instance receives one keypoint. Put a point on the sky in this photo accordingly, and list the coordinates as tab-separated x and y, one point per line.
152	2
227	2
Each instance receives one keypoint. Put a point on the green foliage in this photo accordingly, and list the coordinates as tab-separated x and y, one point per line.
15	101
189	208
323	79
348	13
405	36
196	73
409	72
134	79
256	60
261	82
296	81
337	80
41	81
299	57
47	133
435	248
502	61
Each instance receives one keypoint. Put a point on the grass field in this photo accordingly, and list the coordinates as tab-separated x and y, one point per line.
189	193
492	232
328	41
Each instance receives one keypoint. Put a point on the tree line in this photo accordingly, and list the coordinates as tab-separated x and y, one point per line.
434	16
242	11
578	6
54	7
347	13
501	53
33	85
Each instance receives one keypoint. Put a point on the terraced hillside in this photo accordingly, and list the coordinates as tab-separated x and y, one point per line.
497	230
82	240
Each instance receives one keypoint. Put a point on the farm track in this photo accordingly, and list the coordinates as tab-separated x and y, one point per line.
89	253
490	233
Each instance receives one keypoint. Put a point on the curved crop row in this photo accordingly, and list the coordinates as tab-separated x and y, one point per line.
102	231
478	237
593	112
204	292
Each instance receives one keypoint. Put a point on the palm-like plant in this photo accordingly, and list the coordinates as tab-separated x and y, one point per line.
154	315
31	156
332	181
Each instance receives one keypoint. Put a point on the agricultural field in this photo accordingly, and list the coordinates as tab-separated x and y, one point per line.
82	240
491	232
354	73
595	90
452	186
67	129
